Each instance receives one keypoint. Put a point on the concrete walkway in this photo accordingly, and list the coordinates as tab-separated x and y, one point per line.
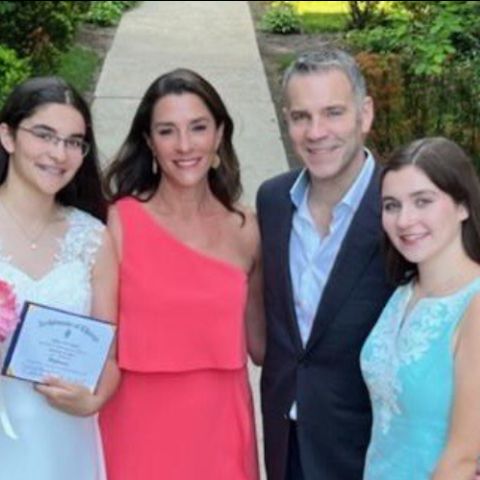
217	40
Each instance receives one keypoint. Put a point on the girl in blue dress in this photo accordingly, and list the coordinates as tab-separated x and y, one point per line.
421	361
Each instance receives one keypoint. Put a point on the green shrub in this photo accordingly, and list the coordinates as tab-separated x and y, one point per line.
40	30
362	13
411	105
384	76
12	71
125	5
423	68
105	13
281	18
6	7
78	66
428	33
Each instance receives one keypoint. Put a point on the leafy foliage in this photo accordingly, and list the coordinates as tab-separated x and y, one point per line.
39	30
6	7
383	74
281	18
362	13
77	66
429	33
423	68
12	71
107	13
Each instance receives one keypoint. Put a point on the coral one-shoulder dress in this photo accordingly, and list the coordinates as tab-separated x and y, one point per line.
183	410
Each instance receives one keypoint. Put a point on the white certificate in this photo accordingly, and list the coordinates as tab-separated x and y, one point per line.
52	342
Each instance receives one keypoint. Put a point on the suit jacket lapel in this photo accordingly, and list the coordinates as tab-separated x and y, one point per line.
284	241
359	244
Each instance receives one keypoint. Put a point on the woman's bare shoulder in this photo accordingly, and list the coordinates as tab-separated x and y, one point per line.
248	227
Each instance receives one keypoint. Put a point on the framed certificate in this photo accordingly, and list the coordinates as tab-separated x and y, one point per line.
54	342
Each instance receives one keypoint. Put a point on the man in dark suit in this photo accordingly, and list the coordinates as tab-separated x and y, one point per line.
324	278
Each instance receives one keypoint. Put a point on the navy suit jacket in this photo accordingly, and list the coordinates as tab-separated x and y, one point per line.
324	378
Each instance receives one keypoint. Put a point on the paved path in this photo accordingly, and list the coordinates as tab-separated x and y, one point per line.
217	40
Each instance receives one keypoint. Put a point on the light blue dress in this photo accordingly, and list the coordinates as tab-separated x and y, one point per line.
408	365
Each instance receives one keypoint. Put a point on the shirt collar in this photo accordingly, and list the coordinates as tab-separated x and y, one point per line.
352	197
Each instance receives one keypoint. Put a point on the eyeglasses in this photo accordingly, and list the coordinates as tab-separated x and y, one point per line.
74	146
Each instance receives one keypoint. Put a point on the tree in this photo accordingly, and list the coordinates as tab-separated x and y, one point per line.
361	13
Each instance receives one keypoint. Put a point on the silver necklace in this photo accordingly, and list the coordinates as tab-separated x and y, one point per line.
32	240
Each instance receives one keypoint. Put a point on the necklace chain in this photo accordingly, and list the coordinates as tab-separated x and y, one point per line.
31	239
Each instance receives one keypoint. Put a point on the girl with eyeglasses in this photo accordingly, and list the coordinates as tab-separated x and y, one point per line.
54	250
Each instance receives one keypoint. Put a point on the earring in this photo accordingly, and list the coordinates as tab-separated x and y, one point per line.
154	165
216	161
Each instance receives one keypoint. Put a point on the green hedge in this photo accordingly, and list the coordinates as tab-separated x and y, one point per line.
423	70
12	71
107	13
40	30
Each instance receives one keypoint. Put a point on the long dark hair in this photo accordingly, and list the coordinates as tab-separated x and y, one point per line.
131	170
84	191
452	171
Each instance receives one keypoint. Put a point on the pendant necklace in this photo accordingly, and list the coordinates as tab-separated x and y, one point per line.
32	240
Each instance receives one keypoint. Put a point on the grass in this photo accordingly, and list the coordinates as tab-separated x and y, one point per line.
284	60
321	7
318	17
78	66
324	22
331	7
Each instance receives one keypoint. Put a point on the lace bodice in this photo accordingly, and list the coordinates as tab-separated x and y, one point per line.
408	365
67	285
30	429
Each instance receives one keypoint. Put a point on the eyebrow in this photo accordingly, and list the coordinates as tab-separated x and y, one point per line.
335	106
423	192
298	111
195	120
42	126
417	193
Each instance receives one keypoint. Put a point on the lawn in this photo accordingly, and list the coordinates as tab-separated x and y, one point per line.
77	66
319	17
320	7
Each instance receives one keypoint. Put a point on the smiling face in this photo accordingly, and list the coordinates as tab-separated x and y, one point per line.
184	138
36	158
421	221
326	125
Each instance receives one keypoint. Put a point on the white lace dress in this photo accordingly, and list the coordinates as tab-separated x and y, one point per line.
50	444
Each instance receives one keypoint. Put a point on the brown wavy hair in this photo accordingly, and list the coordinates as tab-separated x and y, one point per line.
130	173
84	190
446	165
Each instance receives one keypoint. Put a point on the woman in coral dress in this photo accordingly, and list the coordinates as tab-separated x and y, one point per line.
190	304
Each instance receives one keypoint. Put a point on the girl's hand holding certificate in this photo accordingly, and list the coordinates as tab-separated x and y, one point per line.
69	397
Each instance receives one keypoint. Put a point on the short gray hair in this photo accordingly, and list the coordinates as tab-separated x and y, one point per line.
325	59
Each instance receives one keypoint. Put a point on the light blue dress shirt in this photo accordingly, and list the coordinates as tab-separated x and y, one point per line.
312	254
